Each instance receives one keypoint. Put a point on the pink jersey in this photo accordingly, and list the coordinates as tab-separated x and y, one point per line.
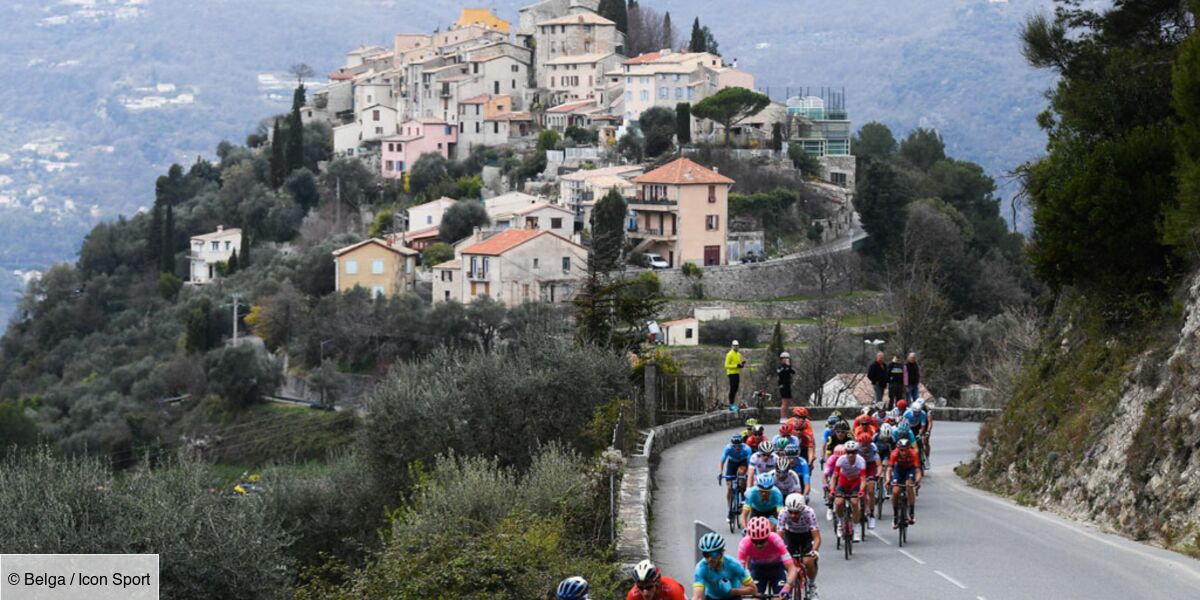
771	553
829	462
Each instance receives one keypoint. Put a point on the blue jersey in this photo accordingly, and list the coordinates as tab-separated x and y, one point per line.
801	469
720	582
868	452
912	437
771	505
915	419
739	455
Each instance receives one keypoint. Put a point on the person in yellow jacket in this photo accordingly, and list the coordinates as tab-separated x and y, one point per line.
733	368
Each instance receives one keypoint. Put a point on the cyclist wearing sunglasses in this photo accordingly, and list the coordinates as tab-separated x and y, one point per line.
650	584
764	501
771	565
798	525
719	577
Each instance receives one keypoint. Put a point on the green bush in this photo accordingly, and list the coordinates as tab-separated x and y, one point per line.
241	375
724	331
211	544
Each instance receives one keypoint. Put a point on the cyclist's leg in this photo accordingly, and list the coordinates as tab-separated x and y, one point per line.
809	562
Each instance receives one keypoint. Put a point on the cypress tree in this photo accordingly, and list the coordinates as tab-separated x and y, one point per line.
683	122
668	39
615	11
232	264
697	43
167	255
245	247
295	138
279	166
154	234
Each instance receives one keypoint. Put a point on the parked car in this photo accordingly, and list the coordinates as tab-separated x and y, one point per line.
655	261
752	257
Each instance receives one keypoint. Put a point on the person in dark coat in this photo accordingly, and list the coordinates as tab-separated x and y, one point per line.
877	374
912	378
895	381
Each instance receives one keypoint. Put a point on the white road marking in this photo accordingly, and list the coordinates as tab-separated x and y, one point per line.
919	561
881	539
1173	564
950	579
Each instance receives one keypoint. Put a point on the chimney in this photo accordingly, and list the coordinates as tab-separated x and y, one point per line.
220	228
716	169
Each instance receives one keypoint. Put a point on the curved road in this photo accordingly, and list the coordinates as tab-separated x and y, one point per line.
967	544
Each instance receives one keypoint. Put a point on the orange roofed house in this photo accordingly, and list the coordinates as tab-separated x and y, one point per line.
513	266
680	213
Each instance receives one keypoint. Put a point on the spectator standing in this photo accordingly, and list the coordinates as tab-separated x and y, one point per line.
733	368
653	332
895	381
877	374
912	378
785	373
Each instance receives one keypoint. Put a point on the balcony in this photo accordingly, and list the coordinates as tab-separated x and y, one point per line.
477	275
661	203
652	233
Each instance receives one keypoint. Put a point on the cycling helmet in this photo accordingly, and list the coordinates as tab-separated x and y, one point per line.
784	355
904	428
711	542
901	405
782	465
918	405
842	427
751	423
904	443
791	451
782	444
759	528
866	410
736	439
759	430
766	447
786	429
885	430
795	502
646	572
851	446
864	439
573	588
832	420
839	450
800	412
765	481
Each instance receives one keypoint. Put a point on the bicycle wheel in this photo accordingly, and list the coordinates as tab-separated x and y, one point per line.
848	529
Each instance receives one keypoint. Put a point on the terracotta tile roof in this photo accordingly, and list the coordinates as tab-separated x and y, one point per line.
511	116
571	106
682	321
475	100
589	18
453	265
683	171
539	206
341	76
645	58
398	249
503	242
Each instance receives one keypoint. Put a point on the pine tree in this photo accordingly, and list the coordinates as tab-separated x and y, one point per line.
245	248
154	234
279	166
697	43
615	11
668	39
232	264
608	231
167	256
295	138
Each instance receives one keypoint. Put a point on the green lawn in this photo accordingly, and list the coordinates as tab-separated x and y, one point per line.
868	320
838	296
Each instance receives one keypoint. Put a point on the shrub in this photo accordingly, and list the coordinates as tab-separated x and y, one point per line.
240	375
723	332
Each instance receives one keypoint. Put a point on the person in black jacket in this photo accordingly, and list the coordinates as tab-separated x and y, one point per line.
877	374
785	372
895	381
912	378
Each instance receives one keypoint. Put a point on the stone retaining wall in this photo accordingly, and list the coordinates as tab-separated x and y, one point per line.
754	281
633	515
784	309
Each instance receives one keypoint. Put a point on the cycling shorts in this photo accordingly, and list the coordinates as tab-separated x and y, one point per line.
785	392
849	490
798	544
771	516
770	575
731	468
903	474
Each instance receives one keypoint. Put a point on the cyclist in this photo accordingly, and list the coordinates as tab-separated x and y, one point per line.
826	478
903	431
734	462
906	470
762	461
798	525
768	558
787	437
784	372
802	468
650	584
753	434
787	480
865	423
800	413
923	424
765	501
883	443
717	576
841	435
870	454
849	472
572	588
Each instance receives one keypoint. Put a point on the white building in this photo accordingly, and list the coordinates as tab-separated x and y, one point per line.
578	77
666	78
513	266
541	216
210	249
681	332
429	214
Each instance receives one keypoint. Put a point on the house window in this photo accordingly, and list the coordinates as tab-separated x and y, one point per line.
566	264
645	95
378	131
476	126
691	93
687	333
429	219
525	290
516	69
447	298
227	243
497	87
679	93
495	126
663	93
712	194
535	263
556	223
675	77
629	81
377	291
439	145
712	222
551	81
388	165
375	115
352	267
662	76
377	267
216	246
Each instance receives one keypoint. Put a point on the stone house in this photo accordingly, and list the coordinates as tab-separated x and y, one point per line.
513	266
578	34
383	267
580	76
210	249
680	213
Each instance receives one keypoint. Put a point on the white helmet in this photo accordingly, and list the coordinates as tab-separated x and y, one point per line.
766	446
646	572
735	342
784	355
885	430
851	446
918	405
795	502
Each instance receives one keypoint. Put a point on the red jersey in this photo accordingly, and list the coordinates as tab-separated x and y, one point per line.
905	459
865	424
668	589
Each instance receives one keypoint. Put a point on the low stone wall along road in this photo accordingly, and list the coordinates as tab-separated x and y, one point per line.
966	545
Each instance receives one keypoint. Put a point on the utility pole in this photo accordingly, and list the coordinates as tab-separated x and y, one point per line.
338	222
236	298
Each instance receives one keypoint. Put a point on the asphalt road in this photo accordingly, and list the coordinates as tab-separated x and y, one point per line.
967	544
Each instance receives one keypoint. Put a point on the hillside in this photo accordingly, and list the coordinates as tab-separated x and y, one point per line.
82	139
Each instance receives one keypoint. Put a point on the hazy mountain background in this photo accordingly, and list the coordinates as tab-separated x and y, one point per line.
101	96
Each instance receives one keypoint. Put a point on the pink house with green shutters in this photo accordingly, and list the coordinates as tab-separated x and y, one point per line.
416	137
